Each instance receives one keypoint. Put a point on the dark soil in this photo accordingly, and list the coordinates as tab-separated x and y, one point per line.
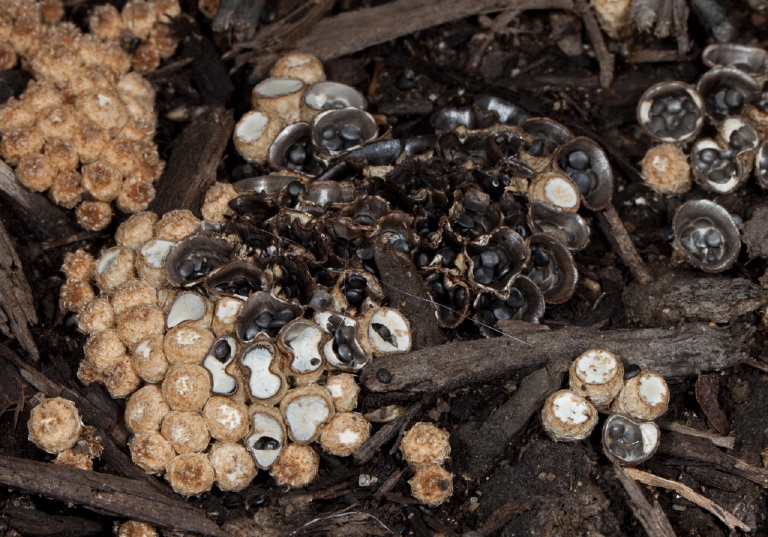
536	486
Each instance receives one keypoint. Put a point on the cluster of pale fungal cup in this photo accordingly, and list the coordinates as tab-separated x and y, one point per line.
224	372
83	129
425	447
55	426
715	133
632	398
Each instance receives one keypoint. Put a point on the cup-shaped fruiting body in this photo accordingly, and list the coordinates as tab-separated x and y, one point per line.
238	279
268	435
186	431
187	344
216	204
222	353
543	137
671	112
134	528
197	255
149	359
191	309
146	409
751	60
151	451
296	466
279	98
96	316
79	265
496	259
150	260
292	150
344	433
265	314
74	295
343	351
645	396
587	165
190	474
114	267
568	417
227	420
629	442
176	225
259	367
137	230
337	131
305	411
306	67
233	466
761	165
187	387
55	425
551	267
254	134
121	380
725	91
132	293
741	137
706	234
715	167
383	331
524	302
301	342
330	96
597	375
432	485
425	444
93	215
569	228
102	350
225	315
555	189
344	390
139	323
665	169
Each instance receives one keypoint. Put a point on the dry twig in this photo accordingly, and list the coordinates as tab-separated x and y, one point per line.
705	503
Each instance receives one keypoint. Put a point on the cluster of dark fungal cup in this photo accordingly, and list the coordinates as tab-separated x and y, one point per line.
713	133
486	207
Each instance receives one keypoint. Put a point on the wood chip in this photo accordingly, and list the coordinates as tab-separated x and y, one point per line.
707	395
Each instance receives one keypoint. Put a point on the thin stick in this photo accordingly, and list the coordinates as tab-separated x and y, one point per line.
705	503
614	228
652	517
726	442
604	58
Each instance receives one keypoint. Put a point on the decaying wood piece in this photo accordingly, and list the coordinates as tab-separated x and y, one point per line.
687	448
363	28
485	444
44	219
705	503
707	395
239	16
405	290
30	521
652	517
687	350
192	167
116	495
17	309
688	296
